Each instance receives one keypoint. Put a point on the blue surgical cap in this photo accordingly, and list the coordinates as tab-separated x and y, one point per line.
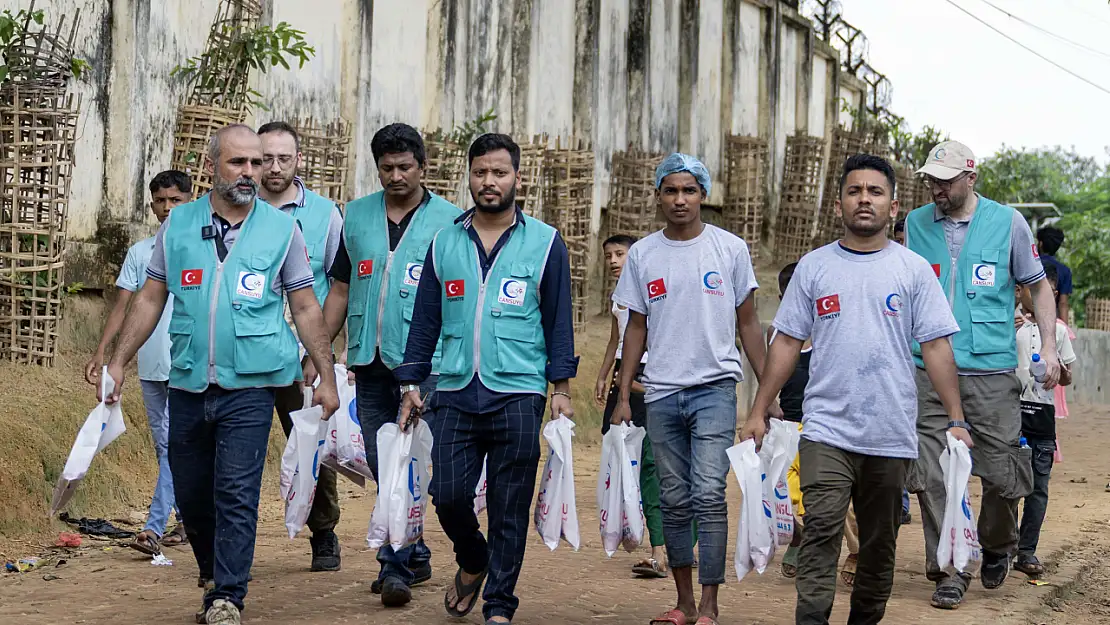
678	162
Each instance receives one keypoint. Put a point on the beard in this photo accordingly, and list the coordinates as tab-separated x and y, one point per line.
278	185
507	202
865	229
230	191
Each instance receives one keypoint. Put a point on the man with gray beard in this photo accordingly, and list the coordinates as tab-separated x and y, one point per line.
228	258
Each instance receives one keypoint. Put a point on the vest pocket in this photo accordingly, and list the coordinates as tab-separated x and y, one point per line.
992	330
257	346
181	342
454	349
354	329
516	348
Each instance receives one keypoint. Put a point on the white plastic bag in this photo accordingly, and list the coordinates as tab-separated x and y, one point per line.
755	534
780	446
556	514
329	456
480	491
103	425
618	489
300	466
350	449
959	537
403	459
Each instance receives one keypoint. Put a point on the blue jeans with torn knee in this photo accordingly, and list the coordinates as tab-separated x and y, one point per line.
690	431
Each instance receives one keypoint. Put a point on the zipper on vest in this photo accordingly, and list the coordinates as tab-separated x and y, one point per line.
952	275
213	302
481	303
383	291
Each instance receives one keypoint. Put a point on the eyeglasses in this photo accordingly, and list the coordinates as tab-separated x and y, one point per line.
945	184
285	160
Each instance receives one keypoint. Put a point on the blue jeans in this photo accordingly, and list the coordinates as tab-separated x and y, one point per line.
378	401
157	402
509	439
690	431
1036	502
905	501
218	441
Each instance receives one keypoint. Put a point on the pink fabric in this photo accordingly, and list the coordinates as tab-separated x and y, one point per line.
1060	394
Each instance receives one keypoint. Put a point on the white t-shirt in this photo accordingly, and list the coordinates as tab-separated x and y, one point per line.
689	291
622	324
1029	343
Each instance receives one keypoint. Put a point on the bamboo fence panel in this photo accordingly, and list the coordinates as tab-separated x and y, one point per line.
325	150
568	200
801	187
745	188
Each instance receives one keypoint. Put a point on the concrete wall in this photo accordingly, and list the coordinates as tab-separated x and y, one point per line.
658	75
1090	383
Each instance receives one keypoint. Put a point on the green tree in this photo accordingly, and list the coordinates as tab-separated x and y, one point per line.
1039	175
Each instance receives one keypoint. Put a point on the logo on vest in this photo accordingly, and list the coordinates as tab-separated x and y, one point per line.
412	274
712	281
656	290
893	305
512	292
251	285
455	289
365	269
191	279
982	275
828	307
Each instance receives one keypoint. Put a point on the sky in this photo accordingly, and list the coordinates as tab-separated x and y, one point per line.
954	73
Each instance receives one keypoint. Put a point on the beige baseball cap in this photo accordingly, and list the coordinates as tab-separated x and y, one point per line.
948	160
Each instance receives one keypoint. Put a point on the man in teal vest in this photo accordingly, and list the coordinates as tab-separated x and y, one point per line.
227	258
495	289
978	249
376	271
322	226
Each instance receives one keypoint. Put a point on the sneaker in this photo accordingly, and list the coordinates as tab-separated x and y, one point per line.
222	612
994	570
395	593
906	518
325	551
421	574
201	616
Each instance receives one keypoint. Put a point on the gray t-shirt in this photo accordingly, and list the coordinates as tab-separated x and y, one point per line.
689	291
863	312
1025	264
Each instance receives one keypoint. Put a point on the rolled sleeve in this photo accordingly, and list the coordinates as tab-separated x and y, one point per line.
427	320
556	313
128	279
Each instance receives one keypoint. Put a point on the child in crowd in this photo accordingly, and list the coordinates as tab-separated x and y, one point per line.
790	400
607	393
1038	423
167	190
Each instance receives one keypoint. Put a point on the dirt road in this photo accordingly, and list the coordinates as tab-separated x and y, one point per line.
118	586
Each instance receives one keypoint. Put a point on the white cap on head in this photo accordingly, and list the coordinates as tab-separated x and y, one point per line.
948	160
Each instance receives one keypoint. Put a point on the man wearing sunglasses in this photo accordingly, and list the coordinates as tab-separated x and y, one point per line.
978	249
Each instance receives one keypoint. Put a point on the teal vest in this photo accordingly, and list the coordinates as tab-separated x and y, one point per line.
230	305
315	220
978	284
492	328
383	283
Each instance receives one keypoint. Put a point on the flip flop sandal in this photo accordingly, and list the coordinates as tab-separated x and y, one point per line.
146	542
1030	566
176	537
674	617
848	575
649	569
462	592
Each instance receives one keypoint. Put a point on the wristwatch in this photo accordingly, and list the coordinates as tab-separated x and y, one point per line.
407	388
959	424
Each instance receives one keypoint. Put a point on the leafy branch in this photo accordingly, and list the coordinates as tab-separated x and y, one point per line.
462	134
14	29
225	67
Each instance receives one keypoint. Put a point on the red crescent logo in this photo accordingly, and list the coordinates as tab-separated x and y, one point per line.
192	277
455	288
656	288
365	268
828	305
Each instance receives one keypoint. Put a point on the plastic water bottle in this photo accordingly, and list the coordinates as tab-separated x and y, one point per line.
1039	370
1024	444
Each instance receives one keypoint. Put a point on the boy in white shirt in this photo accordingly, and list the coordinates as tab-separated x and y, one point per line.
1038	424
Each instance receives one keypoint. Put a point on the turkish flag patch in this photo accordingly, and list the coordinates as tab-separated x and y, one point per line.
454	288
828	305
365	268
656	289
936	269
192	277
